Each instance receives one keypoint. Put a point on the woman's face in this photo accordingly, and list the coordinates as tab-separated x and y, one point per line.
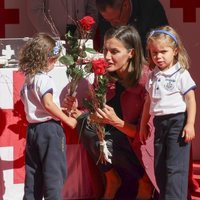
117	56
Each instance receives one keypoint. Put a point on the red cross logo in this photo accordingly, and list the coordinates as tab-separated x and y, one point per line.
189	8
8	16
12	131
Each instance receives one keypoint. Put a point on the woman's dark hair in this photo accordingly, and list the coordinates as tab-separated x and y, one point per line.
130	38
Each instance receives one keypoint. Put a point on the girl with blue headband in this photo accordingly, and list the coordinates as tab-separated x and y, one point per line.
171	102
45	140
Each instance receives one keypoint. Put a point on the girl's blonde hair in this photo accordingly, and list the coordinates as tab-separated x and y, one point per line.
168	34
34	56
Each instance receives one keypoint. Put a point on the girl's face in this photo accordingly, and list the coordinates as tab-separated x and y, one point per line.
162	54
117	56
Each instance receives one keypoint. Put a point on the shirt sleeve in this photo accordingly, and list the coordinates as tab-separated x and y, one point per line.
44	85
186	82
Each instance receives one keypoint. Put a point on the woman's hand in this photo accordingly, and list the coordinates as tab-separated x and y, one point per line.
105	115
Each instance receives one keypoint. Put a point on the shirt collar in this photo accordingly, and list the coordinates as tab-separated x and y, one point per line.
170	72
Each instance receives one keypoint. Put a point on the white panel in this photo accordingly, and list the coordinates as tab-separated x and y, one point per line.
6	88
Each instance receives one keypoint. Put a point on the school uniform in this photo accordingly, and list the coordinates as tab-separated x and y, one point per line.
167	90
45	143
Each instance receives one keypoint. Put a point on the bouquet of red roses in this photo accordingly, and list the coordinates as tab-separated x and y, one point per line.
97	100
76	52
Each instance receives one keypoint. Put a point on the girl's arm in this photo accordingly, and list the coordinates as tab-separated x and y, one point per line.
54	110
188	131
144	128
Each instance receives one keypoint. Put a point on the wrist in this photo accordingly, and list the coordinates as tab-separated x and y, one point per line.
119	123
190	123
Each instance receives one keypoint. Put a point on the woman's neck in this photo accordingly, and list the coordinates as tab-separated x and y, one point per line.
122	73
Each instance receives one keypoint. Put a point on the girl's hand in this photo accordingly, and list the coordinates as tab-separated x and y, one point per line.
69	103
188	132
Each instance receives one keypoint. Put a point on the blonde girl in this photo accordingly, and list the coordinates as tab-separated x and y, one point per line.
171	101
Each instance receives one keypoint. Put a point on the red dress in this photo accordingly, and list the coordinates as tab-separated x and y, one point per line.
131	103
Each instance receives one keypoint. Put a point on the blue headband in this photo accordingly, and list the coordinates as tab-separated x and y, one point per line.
165	32
56	49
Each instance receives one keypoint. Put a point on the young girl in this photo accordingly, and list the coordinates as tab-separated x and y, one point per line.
171	101
45	148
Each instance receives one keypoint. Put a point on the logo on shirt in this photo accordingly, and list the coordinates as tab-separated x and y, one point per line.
169	84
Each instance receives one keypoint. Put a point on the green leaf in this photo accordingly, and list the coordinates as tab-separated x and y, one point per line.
90	50
84	55
78	72
67	59
88	68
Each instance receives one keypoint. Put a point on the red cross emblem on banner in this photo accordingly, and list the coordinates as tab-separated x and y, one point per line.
12	131
8	16
189	8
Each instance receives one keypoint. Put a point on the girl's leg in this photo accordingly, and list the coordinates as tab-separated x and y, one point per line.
176	153
159	156
52	152
177	160
33	187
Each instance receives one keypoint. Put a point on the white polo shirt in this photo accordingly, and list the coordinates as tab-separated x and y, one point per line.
32	93
167	90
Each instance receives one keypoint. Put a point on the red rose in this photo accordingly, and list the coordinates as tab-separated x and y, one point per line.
99	66
86	23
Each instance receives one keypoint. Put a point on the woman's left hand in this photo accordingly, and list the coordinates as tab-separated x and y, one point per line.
107	115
